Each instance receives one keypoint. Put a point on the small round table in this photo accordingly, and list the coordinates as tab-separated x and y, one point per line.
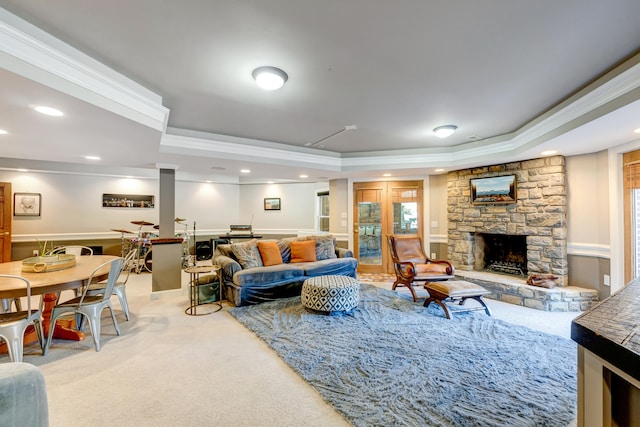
194	292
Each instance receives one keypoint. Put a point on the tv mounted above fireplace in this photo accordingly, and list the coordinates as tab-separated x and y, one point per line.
494	190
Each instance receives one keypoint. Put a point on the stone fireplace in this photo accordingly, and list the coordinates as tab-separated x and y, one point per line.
538	218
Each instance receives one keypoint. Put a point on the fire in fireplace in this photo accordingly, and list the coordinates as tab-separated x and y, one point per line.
501	253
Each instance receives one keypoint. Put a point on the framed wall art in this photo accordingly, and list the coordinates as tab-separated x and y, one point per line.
494	190
272	204
127	201
26	204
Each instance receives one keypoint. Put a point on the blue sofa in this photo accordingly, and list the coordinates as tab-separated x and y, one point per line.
254	285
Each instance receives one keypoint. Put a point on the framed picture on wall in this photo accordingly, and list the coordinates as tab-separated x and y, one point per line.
494	190
26	204
272	204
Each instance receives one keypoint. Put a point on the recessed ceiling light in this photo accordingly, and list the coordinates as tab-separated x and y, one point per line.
386	174
444	131
549	152
23	170
269	78
208	181
48	111
269	182
304	176
439	170
3	132
92	157
637	130
218	168
245	171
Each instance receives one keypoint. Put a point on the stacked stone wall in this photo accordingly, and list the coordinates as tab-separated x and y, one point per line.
540	214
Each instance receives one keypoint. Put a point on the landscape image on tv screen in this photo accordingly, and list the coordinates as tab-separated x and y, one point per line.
497	189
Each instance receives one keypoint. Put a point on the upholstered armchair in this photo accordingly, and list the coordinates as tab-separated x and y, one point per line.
411	264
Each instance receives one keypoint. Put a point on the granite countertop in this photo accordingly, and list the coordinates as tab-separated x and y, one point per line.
611	329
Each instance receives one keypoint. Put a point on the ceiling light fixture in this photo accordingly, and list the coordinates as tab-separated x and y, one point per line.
444	131
304	176
386	174
48	111
439	170
92	157
245	171
637	130
3	132
549	152
269	78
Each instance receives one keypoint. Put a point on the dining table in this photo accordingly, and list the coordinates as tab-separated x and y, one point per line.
49	285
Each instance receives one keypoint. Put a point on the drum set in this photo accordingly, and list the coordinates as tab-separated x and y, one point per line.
143	260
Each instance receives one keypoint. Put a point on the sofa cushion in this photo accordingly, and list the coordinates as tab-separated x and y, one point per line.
273	274
325	246
247	254
304	251
269	252
285	249
327	267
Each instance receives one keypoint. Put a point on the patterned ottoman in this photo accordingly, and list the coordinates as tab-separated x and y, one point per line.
331	293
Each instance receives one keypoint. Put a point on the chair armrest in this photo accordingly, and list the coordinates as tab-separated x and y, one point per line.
228	267
344	253
405	269
450	269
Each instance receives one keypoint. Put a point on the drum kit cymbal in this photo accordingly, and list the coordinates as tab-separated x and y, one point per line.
139	241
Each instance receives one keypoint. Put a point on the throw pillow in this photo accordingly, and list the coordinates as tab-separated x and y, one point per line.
325	248
269	252
304	251
247	253
285	248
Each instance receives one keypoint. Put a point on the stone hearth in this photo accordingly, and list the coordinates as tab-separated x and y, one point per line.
514	290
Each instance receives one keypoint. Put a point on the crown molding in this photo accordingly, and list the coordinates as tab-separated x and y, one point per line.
30	52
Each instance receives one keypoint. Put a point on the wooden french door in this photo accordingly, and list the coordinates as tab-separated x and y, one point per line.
382	208
5	221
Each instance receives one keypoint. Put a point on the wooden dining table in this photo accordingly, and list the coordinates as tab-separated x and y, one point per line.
49	284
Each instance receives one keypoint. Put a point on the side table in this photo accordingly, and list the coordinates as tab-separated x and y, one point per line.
194	294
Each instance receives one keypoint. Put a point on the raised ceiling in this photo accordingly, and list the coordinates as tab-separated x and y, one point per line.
515	77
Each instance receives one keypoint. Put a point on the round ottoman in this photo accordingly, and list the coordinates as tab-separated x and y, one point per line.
331	293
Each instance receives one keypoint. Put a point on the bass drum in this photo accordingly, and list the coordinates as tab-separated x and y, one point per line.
148	261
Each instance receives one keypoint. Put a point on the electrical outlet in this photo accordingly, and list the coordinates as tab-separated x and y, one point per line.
433	255
607	280
35	252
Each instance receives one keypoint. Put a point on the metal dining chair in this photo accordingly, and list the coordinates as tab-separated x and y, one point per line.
89	306
119	288
14	323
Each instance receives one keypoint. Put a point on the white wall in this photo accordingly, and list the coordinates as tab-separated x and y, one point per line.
297	207
71	205
587	210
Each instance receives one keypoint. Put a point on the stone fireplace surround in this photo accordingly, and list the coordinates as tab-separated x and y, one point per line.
539	215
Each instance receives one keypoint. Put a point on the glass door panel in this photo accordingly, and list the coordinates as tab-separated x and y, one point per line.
405	210
369	215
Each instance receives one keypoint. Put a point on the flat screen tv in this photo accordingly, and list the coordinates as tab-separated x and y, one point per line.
494	190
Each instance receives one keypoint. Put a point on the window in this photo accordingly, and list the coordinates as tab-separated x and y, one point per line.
323	211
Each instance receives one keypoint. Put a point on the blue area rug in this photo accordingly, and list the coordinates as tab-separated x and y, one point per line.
394	362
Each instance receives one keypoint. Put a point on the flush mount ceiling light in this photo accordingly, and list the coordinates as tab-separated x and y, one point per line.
444	131
48	111
269	78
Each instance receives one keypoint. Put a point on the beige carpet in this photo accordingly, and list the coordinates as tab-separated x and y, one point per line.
170	369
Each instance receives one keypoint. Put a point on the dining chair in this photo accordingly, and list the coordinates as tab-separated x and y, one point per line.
14	323
90	307
77	250
119	288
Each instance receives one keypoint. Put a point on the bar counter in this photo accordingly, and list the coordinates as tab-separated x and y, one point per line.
608	338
